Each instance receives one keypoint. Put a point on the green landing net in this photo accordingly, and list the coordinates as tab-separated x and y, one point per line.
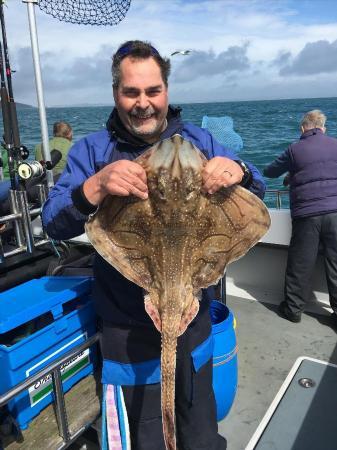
87	12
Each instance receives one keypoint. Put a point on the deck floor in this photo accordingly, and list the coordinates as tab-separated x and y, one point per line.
268	346
83	406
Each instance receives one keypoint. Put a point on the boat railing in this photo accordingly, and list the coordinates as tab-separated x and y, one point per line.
273	198
21	216
54	369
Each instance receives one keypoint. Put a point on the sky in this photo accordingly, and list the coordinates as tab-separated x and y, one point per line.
240	50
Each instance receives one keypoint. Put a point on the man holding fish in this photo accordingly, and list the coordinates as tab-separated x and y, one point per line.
102	165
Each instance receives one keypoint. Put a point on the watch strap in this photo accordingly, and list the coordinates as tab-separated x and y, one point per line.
247	178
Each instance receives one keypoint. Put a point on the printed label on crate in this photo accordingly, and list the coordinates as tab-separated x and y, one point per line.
44	386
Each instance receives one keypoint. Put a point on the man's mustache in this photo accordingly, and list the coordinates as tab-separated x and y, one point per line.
141	113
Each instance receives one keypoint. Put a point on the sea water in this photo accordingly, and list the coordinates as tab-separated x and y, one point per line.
266	127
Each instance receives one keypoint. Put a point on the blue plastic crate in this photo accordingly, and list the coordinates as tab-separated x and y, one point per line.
31	301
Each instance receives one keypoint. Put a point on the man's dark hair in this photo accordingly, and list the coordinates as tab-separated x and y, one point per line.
138	50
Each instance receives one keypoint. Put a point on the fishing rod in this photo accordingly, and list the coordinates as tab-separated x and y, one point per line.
6	117
4	105
15	150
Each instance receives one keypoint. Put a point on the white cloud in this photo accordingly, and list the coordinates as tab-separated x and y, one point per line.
76	58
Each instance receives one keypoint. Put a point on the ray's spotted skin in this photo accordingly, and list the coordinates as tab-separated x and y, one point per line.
174	243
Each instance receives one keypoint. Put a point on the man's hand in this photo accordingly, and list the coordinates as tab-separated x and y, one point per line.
121	178
220	172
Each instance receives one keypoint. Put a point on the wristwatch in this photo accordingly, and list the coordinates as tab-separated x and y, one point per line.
247	174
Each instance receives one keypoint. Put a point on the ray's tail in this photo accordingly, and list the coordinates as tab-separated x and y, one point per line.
168	368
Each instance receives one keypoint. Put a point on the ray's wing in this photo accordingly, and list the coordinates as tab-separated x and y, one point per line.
231	222
120	233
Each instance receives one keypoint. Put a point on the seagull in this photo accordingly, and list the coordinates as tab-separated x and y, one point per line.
181	52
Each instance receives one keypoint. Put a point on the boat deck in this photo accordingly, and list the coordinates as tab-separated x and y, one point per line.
83	406
268	346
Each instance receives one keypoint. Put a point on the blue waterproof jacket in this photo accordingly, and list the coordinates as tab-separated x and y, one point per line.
312	165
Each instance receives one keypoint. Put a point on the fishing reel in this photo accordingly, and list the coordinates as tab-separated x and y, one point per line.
36	169
31	169
22	153
19	153
15	154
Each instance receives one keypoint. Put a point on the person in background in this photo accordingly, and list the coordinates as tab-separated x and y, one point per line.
312	166
5	183
4	166
102	164
4	180
62	141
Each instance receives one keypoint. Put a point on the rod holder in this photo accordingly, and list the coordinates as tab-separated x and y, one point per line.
14	208
26	220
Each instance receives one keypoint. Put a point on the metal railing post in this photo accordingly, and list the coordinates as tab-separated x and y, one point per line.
13	202
39	86
54	369
61	412
26	220
21	216
42	194
277	196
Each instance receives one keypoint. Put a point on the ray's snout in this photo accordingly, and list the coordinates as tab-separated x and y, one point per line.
175	170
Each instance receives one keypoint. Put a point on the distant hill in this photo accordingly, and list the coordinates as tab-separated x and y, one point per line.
22	106
84	105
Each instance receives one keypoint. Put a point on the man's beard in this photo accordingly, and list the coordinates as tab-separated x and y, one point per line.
137	130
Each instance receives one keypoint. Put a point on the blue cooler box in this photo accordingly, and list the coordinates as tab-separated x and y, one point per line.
61	315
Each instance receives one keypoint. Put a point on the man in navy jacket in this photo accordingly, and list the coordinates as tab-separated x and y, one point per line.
103	164
312	166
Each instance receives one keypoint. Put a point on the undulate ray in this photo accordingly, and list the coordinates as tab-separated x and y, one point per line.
174	243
